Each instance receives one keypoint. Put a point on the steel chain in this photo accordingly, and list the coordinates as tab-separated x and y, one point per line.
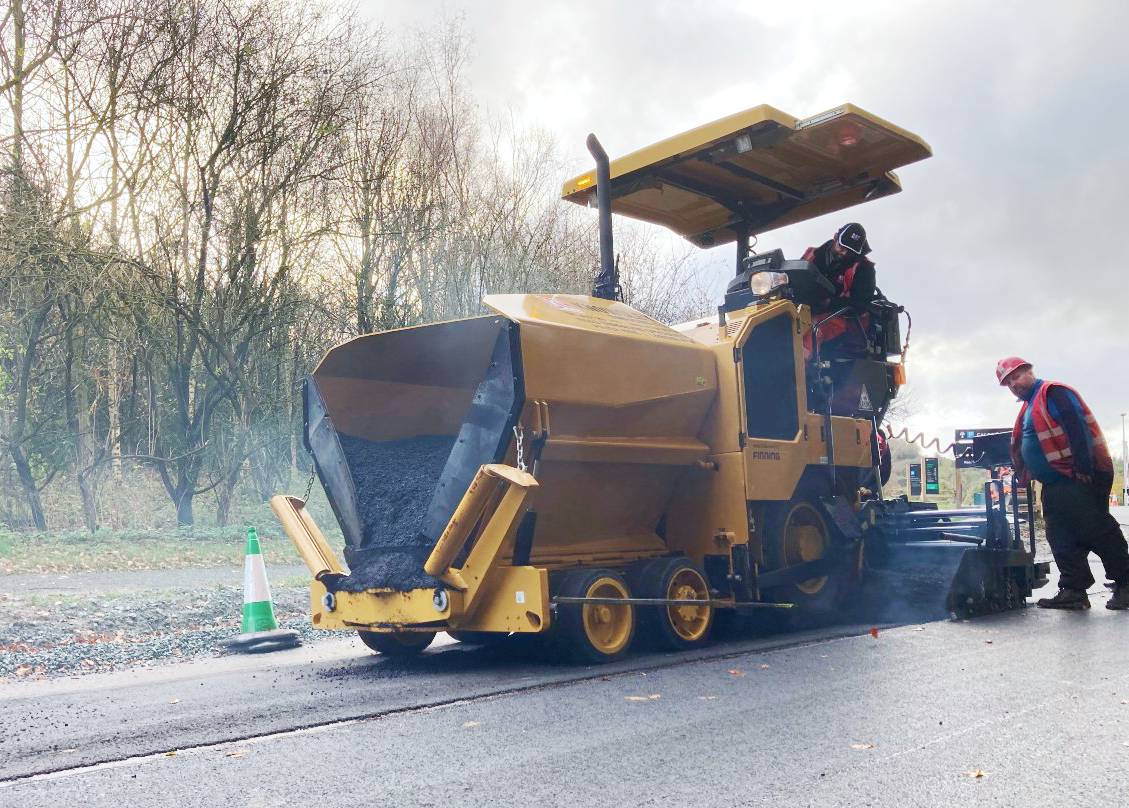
309	487
519	434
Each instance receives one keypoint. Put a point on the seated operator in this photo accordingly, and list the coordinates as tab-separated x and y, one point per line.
842	261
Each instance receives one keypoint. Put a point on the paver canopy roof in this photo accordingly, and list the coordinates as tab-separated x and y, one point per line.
756	171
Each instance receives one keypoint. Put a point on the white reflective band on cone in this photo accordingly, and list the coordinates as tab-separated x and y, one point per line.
255	586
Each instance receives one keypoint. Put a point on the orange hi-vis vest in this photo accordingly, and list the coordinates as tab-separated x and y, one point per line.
1053	439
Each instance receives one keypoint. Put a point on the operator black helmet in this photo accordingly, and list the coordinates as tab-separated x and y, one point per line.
853	237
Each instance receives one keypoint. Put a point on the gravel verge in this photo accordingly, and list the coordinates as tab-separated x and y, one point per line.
63	634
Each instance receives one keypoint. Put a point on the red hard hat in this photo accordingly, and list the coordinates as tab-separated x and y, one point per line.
1005	367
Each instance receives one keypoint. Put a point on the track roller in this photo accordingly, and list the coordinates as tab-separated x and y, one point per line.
397	644
486	639
673	628
593	632
796	532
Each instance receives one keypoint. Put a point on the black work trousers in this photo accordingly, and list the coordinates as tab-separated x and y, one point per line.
1079	523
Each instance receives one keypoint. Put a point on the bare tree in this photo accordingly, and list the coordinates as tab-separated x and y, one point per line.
200	196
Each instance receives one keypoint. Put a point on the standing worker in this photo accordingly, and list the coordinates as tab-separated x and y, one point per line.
1056	440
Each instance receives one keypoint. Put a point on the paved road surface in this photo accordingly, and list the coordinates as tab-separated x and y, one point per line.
1036	701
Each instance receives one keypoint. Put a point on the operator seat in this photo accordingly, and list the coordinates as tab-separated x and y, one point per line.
853	369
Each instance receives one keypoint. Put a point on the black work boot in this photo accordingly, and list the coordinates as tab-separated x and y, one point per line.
1066	599
1120	599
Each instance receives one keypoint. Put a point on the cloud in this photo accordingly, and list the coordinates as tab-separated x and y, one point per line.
1009	240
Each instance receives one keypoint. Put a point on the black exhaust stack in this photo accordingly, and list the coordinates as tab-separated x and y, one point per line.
606	286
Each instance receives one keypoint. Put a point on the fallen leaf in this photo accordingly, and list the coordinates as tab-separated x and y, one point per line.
874	633
735	672
170	754
863	745
763	667
174	701
237	753
976	774
470	724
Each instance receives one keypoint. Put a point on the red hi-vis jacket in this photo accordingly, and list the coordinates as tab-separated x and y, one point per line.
834	327
846	279
1052	437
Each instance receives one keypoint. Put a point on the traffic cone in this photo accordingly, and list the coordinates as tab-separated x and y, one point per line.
260	630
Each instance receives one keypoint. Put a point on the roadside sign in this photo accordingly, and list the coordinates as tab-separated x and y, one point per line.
915	479
932	476
968	435
980	447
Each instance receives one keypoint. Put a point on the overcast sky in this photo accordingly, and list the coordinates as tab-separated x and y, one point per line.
1010	240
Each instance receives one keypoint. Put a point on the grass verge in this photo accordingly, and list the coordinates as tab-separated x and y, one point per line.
78	551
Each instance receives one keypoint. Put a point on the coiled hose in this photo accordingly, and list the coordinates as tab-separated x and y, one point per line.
903	434
918	439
